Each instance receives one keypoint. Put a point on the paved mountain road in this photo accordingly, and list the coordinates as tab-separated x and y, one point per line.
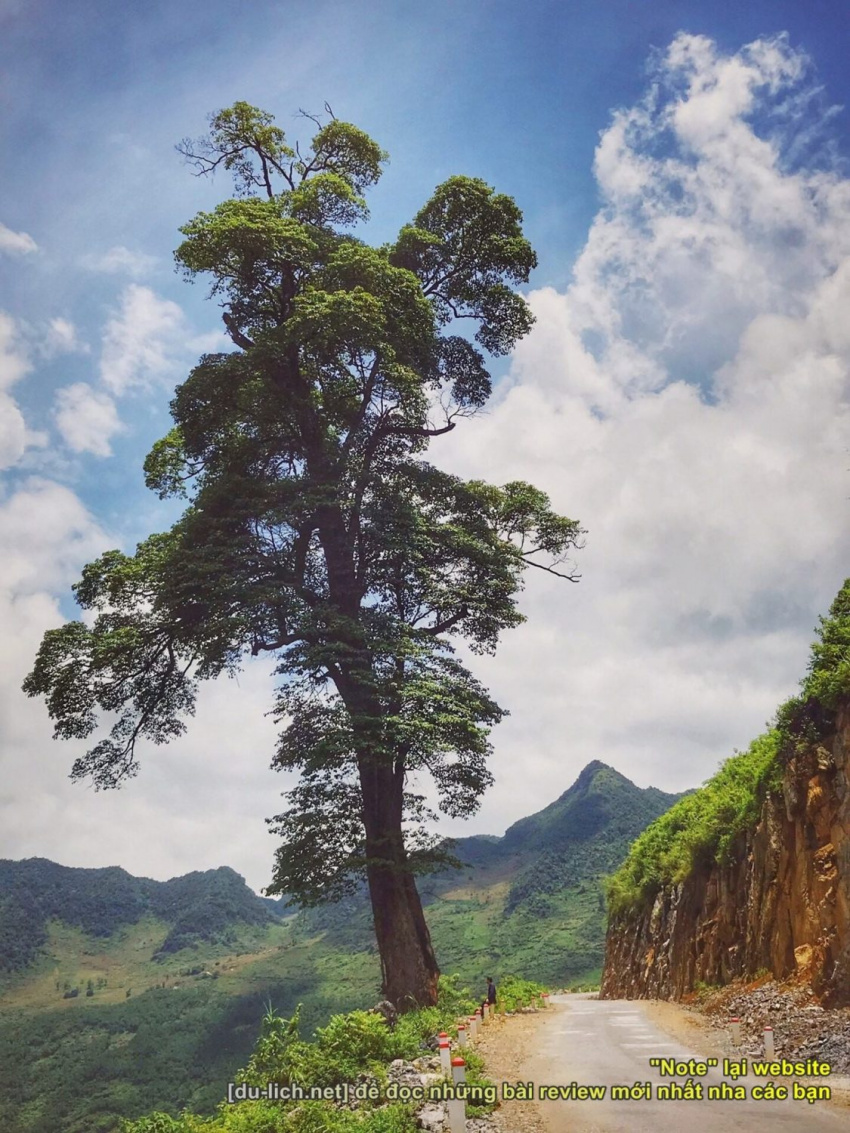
610	1042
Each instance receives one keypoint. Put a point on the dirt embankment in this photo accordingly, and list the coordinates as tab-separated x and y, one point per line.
504	1044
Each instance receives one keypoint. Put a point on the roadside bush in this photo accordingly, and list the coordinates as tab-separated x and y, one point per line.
269	1117
514	992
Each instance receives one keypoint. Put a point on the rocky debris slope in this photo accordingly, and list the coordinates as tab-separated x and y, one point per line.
802	1026
781	904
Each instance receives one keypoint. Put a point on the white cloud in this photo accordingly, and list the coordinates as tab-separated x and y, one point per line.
14	364
170	819
142	341
688	399
86	418
16	243
121	260
145	344
62	338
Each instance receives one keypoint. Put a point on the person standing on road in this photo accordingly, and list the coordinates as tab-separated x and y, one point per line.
491	995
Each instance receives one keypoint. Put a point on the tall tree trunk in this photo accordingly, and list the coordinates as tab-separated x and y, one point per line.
408	965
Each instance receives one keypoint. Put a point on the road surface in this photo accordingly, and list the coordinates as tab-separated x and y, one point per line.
610	1042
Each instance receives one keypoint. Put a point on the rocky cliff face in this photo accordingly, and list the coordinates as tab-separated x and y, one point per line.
781	904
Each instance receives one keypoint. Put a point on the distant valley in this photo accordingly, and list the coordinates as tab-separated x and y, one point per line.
120	994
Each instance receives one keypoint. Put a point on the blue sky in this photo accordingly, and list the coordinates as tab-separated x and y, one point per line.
683	393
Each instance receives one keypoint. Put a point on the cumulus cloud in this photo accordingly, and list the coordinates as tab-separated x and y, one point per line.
168	820
86	418
120	260
16	243
687	399
62	338
14	363
147	341
142	341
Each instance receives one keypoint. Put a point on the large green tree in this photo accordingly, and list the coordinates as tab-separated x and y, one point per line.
315	531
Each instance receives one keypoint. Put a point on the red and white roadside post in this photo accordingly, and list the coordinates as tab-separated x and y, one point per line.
461	1035
769	1045
445	1053
473	1025
457	1106
735	1028
545	998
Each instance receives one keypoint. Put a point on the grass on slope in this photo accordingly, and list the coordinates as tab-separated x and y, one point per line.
702	827
349	1048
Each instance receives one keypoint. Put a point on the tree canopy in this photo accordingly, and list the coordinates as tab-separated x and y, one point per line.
315	531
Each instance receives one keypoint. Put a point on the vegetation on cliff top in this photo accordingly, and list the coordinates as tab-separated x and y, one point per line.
702	827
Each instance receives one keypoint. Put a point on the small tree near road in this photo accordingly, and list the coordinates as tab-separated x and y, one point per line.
315	531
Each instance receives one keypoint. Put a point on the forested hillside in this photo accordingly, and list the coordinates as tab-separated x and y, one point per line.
119	995
199	907
533	900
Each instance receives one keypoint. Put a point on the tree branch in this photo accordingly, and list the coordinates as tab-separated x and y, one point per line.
551	570
269	646
235	333
446	623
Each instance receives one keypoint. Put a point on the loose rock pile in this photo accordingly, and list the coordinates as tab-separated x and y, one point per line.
802	1027
432	1116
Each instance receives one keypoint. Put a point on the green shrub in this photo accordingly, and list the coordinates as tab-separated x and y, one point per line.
269	1117
514	992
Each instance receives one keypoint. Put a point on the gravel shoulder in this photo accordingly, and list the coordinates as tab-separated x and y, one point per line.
802	1027
504	1045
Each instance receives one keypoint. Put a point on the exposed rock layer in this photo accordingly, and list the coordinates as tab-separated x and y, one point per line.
781	904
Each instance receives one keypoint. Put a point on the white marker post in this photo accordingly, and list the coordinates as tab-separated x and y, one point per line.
445	1053
769	1046
456	1107
461	1034
458	1071
735	1028
473	1026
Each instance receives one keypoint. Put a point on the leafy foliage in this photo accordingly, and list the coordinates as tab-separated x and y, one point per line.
514	992
171	1049
809	717
359	1043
